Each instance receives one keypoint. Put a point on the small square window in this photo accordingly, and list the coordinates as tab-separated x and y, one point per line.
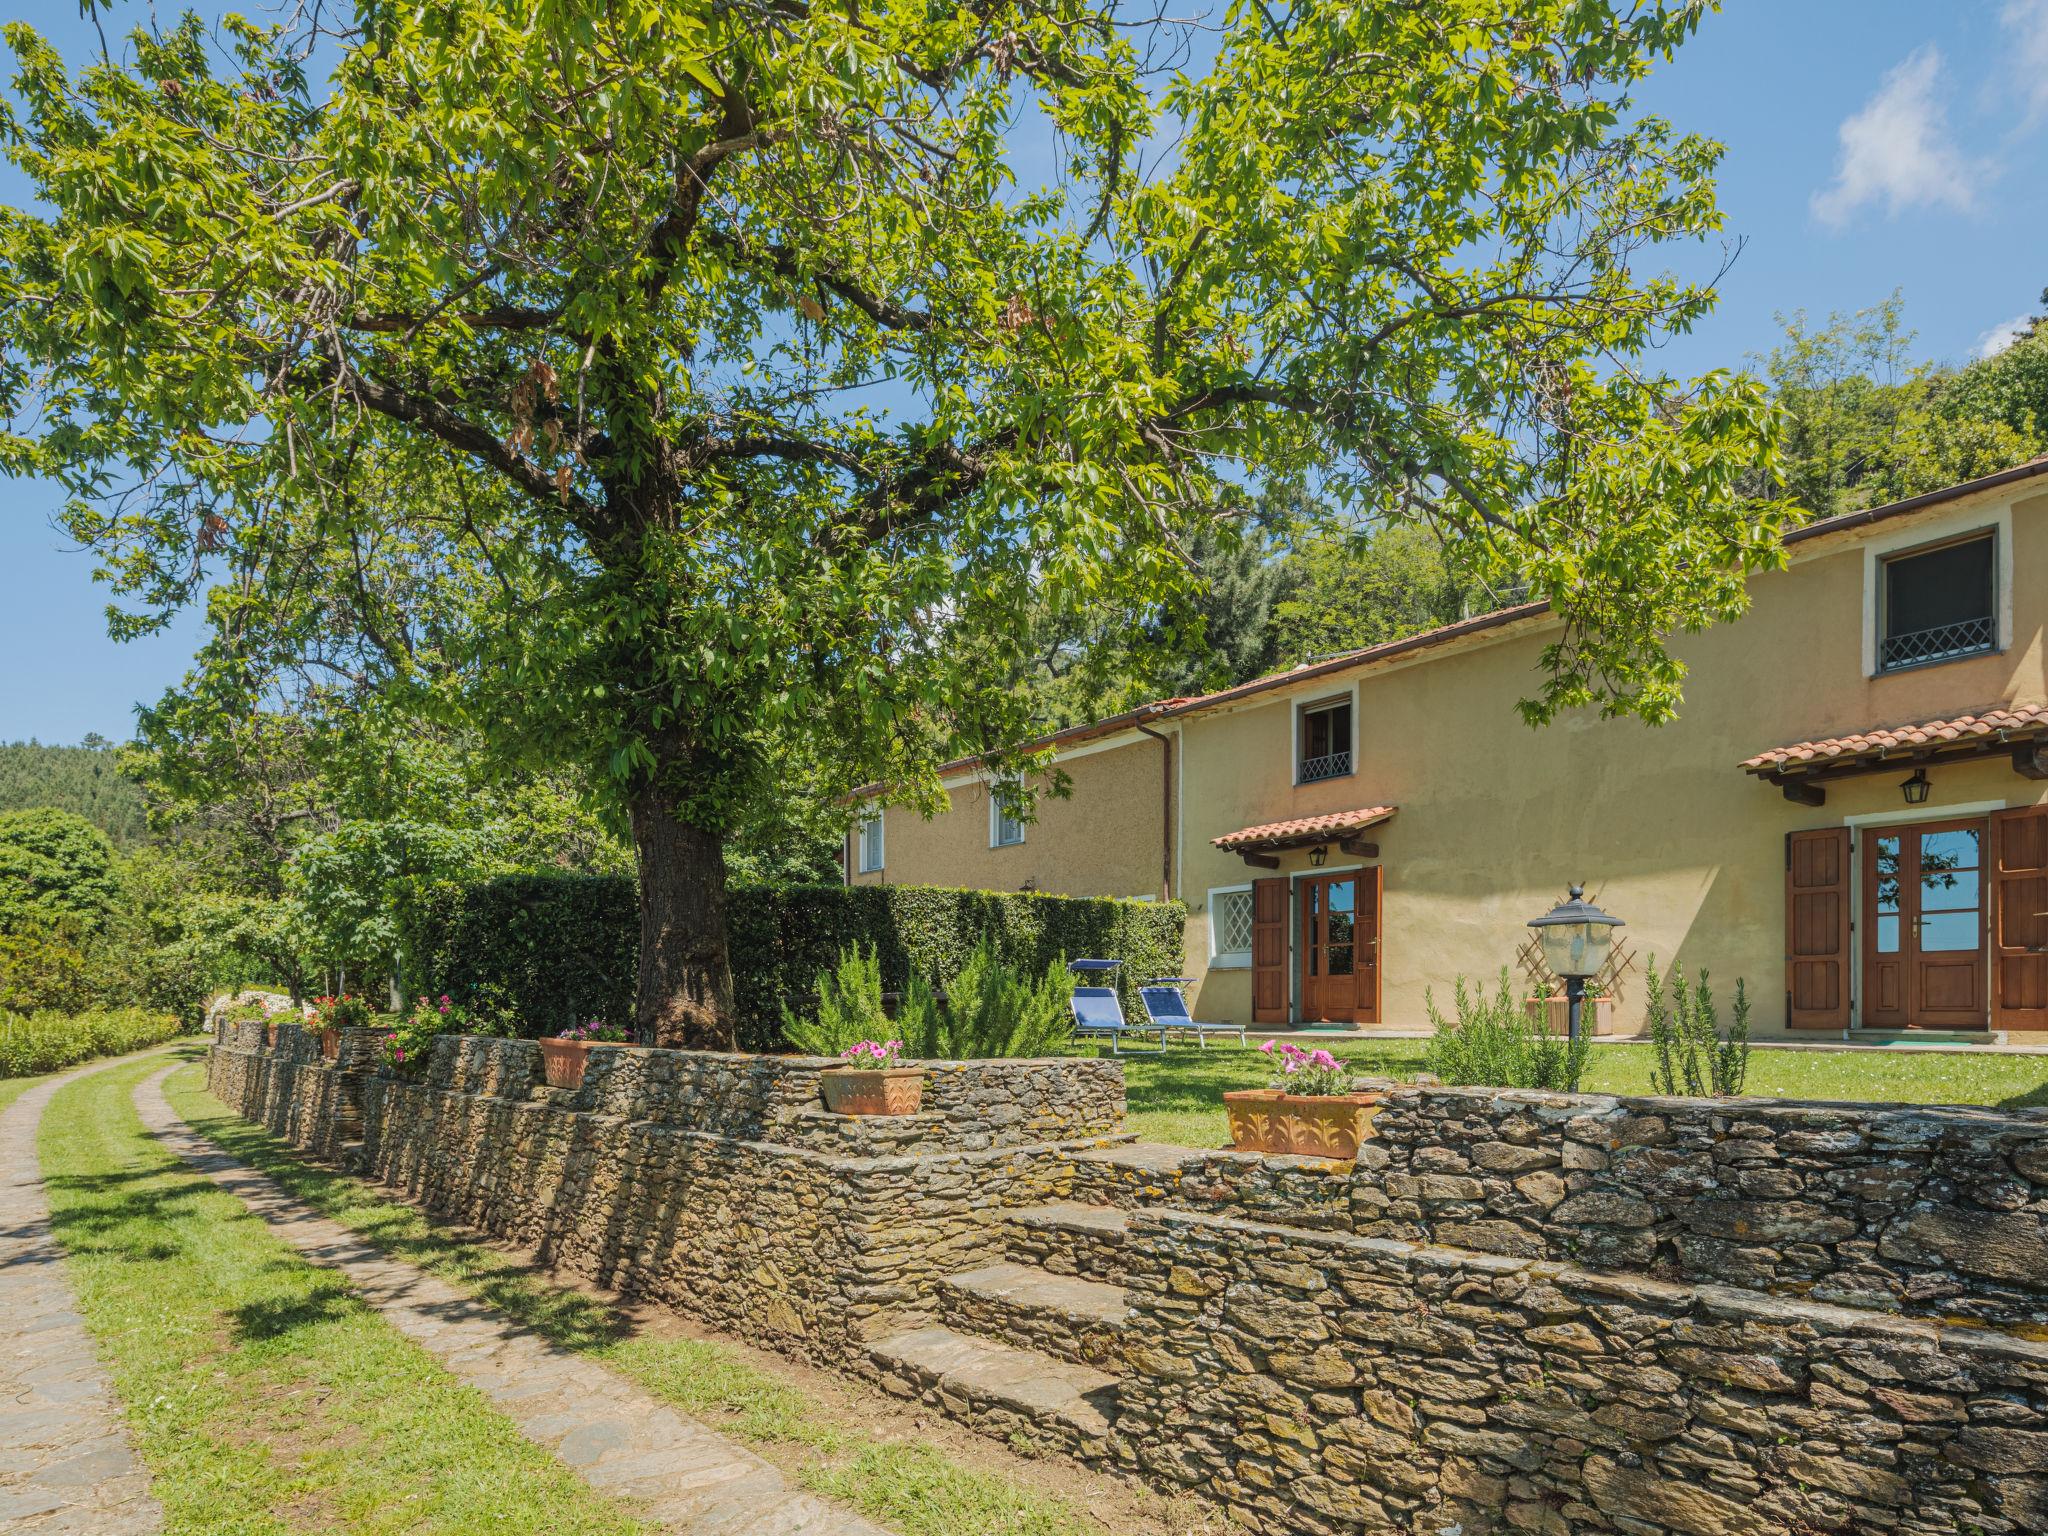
871	843
1939	604
1325	742
1230	927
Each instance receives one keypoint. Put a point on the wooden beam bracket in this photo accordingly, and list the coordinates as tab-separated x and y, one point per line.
1358	848
2030	759
1801	793
1259	860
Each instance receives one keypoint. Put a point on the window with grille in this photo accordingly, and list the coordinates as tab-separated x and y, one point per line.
871	843
1230	927
1325	740
1939	604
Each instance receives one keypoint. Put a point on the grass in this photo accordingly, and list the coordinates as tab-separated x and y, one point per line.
1176	1098
265	1397
914	1488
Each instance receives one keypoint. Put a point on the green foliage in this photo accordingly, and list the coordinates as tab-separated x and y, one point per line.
44	968
693	398
849	1007
552	951
51	1041
54	867
85	780
1501	1042
1869	423
1345	593
1692	1056
351	1012
991	1009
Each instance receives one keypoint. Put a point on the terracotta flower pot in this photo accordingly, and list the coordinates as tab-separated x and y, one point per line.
330	1044
1327	1125
1255	1119
562	1062
873	1090
270	1034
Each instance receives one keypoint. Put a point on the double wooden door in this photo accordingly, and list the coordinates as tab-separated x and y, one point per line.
1340	947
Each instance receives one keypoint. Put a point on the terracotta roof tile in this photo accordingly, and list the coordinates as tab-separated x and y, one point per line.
1335	823
2021	720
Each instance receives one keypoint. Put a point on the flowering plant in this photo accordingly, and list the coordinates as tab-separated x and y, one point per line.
1314	1073
874	1053
405	1048
597	1033
344	1012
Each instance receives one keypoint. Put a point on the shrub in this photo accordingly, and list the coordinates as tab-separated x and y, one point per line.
1311	1073
849	1007
47	1042
345	1012
1498	1042
552	950
991	1010
1692	1056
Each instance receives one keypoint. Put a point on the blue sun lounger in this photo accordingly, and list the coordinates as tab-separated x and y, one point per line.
1098	1015
1167	1006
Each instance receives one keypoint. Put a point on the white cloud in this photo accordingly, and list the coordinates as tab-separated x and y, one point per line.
2003	335
2027	21
1896	150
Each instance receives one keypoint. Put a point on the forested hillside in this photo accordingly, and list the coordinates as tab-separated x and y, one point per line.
85	780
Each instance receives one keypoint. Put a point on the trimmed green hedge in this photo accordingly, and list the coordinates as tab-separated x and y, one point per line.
48	1042
553	950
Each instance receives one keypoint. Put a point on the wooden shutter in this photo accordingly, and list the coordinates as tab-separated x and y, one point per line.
1817	929
2019	918
1269	951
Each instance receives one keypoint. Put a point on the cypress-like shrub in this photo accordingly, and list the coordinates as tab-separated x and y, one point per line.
555	950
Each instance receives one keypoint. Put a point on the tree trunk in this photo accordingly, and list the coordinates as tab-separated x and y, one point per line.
685	989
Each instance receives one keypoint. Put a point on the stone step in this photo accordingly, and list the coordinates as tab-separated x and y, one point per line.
1060	1315
1137	1173
1067	1238
1019	1396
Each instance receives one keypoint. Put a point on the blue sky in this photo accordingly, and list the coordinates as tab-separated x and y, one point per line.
1872	145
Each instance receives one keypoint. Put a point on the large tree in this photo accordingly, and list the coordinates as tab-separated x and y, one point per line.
676	386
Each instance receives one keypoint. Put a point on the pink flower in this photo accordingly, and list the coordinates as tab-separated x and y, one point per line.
1268	1046
1323	1059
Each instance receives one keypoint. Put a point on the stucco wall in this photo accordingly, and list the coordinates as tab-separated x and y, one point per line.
1103	841
1496	818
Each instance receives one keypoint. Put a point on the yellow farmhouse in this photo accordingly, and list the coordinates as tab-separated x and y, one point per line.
1851	813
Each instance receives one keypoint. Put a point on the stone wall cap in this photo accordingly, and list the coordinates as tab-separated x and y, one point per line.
1976	1115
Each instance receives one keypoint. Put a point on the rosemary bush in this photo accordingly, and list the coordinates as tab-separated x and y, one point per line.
1500	1041
1693	1056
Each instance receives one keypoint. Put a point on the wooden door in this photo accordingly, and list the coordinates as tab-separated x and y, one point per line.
1817	902
1329	949
2019	918
1371	905
1924	931
1269	951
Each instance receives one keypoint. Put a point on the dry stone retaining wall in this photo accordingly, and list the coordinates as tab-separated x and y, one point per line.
1927	1211
1327	1350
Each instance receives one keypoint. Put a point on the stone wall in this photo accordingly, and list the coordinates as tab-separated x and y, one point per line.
1928	1211
685	1177
1322	1382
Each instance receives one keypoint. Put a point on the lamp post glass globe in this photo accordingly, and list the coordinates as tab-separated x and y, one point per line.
1576	938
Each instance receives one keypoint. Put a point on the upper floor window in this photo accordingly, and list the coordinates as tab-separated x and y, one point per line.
871	842
1004	829
1325	741
1939	604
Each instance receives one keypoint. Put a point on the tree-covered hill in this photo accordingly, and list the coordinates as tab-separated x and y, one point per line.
86	780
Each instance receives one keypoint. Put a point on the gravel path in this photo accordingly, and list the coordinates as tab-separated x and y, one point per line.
615	1435
66	1463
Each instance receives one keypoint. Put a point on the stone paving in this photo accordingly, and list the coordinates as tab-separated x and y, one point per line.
616	1436
65	1460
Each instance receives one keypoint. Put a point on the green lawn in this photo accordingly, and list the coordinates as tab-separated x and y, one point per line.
264	1396
911	1486
1177	1098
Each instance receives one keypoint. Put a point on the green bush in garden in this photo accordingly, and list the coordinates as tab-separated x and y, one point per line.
991	1009
556	950
1692	1056
1501	1042
47	1042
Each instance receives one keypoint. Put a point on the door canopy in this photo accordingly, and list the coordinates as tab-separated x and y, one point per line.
1260	846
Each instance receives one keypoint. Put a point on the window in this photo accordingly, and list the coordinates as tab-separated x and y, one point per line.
1230	926
1325	741
871	842
1938	604
1004	830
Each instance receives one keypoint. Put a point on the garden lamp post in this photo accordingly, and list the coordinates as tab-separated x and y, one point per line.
1575	937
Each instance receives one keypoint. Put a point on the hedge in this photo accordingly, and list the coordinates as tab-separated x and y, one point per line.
47	1042
553	950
